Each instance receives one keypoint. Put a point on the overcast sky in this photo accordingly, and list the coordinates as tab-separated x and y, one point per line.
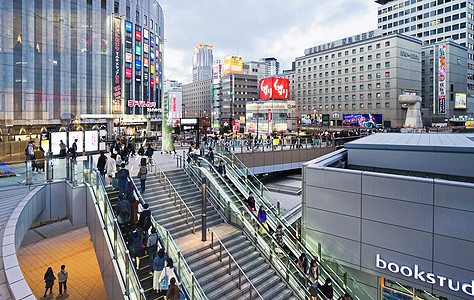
257	28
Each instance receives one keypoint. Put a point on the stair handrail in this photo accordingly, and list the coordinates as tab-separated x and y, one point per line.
231	258
159	170
117	231
260	227
307	248
171	244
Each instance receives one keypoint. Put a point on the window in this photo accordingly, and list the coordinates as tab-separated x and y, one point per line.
378	95
387	64
361	105
103	4
377	65
369	76
346	105
369	95
387	84
353	105
377	85
387	94
361	87
137	16
377	55
369	47
387	54
377	105
387	104
369	57
369	105
369	86
369	67
387	74
361	96
377	75
354	61
361	68
145	20
353	51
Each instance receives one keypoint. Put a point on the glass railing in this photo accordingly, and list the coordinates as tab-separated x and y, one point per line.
231	207
191	287
277	214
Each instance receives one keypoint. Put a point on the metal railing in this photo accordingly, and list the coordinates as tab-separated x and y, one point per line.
232	259
248	182
172	193
192	288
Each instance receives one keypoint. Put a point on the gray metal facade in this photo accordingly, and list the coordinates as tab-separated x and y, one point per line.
406	220
197	98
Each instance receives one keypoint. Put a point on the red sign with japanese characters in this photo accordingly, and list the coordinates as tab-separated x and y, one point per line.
274	88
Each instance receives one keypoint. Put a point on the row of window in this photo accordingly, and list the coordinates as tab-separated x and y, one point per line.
339	54
346	71
346	97
420	26
346	62
420	7
426	24
425	15
346	88
339	80
353	105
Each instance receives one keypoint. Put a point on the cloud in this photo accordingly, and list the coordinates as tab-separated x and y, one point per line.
255	29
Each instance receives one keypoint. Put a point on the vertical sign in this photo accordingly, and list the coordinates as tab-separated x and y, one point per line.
117	66
442	80
270	121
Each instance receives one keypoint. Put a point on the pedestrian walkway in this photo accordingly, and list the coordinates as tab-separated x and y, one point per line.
54	245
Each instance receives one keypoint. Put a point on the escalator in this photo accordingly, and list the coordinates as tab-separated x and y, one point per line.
238	184
146	279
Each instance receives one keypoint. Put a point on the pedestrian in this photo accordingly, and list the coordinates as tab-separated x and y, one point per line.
62	279
141	151
251	202
136	247
144	222
123	213
122	177
262	217
152	246
133	203
173	290
210	156
62	149
326	289
313	290
346	296
158	267
303	263
313	270
111	167
39	159
196	151
221	168
73	150
142	174
279	239
149	154
101	163
167	274
49	279
30	153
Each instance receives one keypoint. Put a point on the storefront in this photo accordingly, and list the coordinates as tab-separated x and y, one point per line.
266	117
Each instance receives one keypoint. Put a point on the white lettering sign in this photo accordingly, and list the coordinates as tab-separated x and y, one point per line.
419	274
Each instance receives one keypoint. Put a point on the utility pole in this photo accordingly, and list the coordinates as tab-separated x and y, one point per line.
203	209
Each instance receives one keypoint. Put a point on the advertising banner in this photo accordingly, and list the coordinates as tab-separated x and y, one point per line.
325	120
79	135
469	124
233	65
117	66
306	119
442	80
128	26
362	120
56	138
460	101
274	88
92	141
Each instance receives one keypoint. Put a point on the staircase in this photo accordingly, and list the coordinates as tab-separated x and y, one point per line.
210	272
146	279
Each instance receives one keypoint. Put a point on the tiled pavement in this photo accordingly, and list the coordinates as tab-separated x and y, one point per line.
56	244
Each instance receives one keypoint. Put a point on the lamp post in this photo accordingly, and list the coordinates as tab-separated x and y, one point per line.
314	121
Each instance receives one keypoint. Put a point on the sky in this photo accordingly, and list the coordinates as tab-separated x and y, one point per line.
257	28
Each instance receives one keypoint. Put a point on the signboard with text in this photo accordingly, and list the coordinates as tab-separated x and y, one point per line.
274	88
362	120
460	101
442	79
117	66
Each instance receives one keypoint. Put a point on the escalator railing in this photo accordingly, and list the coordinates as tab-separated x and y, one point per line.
231	206
246	182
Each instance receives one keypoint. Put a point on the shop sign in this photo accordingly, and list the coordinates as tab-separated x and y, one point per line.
417	273
132	103
442	80
117	65
325	120
336	115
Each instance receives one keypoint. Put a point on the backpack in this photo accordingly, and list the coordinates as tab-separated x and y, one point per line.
122	208
26	151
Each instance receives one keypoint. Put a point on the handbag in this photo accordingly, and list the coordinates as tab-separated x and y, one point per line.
139	174
164	282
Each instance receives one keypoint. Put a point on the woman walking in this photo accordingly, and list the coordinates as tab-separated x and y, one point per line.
173	290
136	246
142	174
158	267
49	279
262	217
167	275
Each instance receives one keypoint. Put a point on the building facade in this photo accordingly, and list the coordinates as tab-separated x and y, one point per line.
358	75
202	62
76	62
256	68
432	22
236	90
197	99
272	66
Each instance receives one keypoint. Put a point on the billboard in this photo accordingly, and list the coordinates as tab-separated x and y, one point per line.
306	119
128	73
128	26
175	103
442	79
138	35
362	120
79	136
117	66
469	124
56	138
232	65
274	88
92	141
460	101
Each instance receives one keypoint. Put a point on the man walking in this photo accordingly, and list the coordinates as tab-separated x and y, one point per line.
102	161
62	279
122	177
73	149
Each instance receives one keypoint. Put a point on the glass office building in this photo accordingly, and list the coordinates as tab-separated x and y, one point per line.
87	62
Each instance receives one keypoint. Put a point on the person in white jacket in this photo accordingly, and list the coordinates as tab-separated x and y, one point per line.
168	271
111	167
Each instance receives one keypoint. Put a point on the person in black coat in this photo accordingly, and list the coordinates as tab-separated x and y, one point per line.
221	168
251	202
326	289
144	222
102	161
49	279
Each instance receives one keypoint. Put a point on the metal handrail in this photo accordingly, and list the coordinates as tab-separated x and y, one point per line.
283	222
262	228
231	258
176	195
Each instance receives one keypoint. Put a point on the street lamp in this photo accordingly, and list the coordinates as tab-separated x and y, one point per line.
314	121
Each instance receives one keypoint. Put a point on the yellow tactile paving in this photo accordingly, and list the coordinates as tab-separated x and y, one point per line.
73	249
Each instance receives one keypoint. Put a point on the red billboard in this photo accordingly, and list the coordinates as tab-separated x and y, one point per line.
274	88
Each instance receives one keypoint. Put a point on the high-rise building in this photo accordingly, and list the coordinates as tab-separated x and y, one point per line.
197	98
89	63
256	68
272	66
202	62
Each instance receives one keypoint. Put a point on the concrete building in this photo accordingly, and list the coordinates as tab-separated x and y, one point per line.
431	22
61	63
256	68
272	66
237	89
444	90
398	222
202	62
197	99
358	75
